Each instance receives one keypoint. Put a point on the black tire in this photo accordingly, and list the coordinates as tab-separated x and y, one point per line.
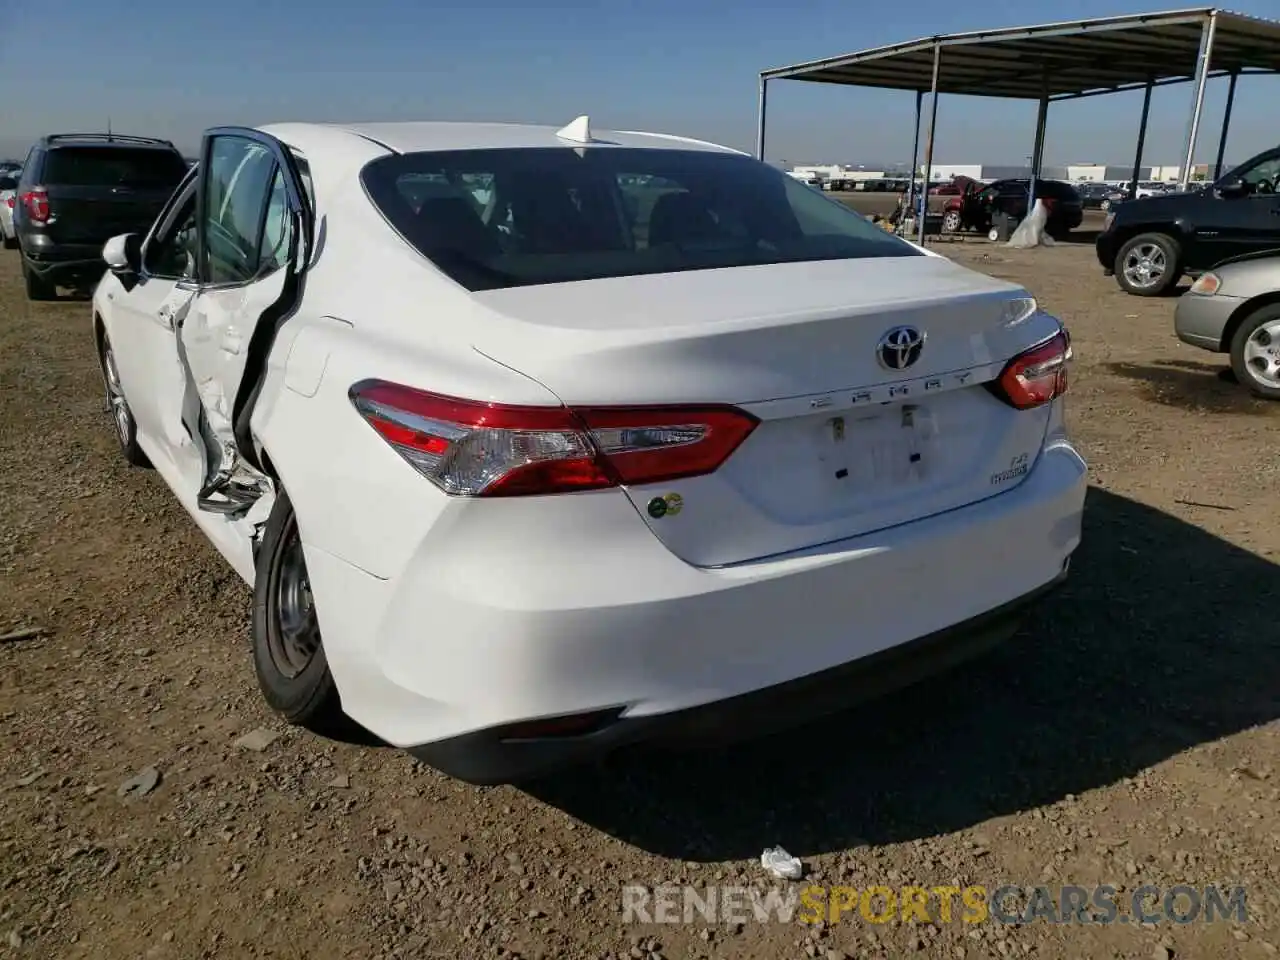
38	288
11	243
126	428
299	688
1170	274
1245	372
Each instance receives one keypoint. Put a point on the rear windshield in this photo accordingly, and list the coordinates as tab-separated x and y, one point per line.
114	166
512	217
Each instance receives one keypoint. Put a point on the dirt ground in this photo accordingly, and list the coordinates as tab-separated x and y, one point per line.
1128	735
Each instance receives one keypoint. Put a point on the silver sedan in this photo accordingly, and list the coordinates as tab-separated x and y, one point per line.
1235	309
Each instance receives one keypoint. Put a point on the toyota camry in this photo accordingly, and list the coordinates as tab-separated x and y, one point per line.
534	442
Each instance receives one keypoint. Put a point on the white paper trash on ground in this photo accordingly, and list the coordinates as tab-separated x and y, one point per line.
1031	231
781	864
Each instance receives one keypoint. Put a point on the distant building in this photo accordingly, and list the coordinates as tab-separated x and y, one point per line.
945	172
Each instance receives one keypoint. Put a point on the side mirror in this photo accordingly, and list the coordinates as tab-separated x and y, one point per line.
123	253
1233	189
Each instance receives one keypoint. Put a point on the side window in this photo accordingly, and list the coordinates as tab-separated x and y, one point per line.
31	169
1262	177
236	188
277	228
172	254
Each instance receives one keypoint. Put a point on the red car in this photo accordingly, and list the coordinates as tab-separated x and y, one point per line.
981	207
956	188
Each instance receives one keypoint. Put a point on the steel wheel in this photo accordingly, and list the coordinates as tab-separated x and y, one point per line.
1145	266
296	639
951	222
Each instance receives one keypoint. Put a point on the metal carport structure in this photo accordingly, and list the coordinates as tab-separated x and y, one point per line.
1059	61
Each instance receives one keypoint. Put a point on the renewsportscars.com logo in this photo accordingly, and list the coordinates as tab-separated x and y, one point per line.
1008	903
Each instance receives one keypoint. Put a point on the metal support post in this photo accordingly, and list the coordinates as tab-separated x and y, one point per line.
760	117
915	159
1226	125
1203	64
1142	140
928	150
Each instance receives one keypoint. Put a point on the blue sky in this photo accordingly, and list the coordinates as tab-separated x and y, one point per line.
171	69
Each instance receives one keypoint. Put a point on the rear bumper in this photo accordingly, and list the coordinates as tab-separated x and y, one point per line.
63	261
495	756
515	611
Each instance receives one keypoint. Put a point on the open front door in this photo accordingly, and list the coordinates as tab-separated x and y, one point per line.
254	236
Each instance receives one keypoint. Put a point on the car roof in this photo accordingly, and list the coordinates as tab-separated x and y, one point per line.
415	136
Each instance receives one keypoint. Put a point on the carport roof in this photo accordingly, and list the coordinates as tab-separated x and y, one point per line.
1076	58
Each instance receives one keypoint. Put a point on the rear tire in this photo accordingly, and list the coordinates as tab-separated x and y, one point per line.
38	288
1255	352
288	656
126	427
1147	265
11	243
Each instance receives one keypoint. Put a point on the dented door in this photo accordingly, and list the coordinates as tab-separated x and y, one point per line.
253	225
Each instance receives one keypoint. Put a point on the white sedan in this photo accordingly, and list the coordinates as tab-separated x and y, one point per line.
8	199
536	442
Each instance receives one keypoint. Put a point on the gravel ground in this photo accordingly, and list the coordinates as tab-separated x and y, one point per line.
1128	735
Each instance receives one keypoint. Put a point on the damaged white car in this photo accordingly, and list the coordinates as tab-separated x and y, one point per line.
559	439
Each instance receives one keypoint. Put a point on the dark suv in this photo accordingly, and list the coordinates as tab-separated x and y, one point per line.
78	190
1150	244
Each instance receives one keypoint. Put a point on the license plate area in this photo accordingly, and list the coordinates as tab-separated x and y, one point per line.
872	450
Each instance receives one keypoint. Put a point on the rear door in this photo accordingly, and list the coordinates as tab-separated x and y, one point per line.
144	318
99	191
254	227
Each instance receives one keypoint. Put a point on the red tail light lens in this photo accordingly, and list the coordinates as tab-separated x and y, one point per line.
475	449
1037	376
36	202
9	202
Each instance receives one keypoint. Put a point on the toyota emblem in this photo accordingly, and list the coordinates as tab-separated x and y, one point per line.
900	348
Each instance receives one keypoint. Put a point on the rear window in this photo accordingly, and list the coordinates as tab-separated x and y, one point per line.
512	217
114	166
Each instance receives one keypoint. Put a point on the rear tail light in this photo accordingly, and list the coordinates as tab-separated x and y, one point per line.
9	201
476	449
36	202
1037	376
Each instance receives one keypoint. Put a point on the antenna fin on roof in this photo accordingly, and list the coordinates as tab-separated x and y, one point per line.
578	132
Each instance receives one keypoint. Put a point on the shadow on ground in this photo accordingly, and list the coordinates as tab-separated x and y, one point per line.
1145	652
1192	385
1080	236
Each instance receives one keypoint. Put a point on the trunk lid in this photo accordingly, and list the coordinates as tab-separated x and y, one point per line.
98	191
96	214
846	444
